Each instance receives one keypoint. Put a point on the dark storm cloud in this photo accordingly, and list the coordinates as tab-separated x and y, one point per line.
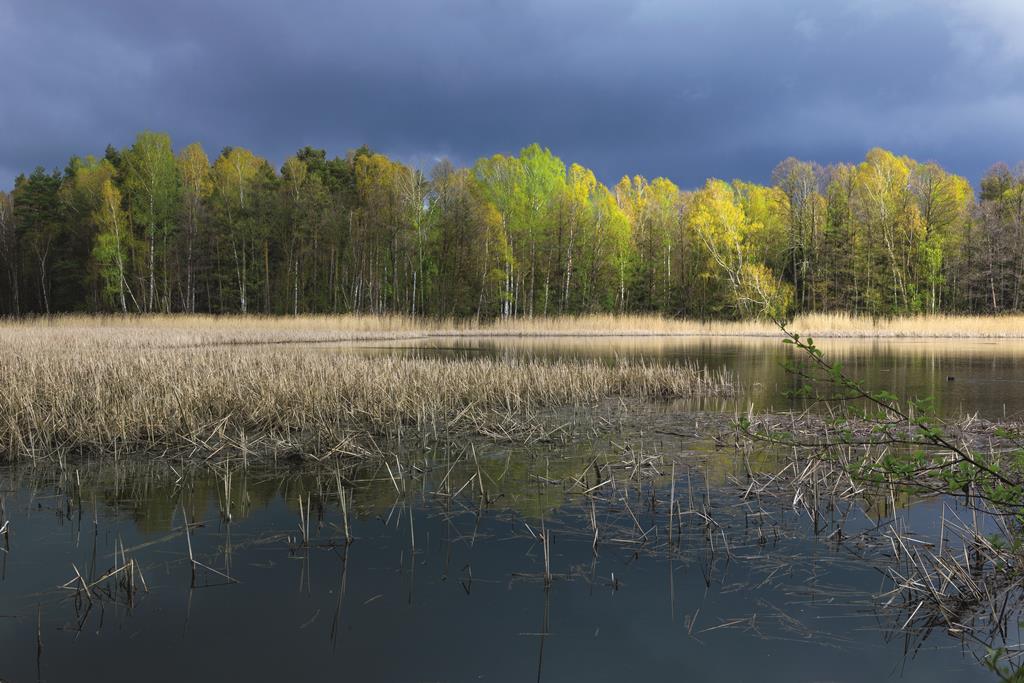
684	89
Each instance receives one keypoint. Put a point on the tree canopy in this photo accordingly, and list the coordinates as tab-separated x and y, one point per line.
146	229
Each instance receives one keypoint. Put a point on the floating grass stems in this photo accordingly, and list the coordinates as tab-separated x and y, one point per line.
97	393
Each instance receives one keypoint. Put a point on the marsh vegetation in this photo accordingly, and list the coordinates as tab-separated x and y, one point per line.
286	386
566	482
72	390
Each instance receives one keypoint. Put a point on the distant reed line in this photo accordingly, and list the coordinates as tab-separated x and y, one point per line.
200	330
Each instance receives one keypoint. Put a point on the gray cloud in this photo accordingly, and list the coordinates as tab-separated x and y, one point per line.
688	90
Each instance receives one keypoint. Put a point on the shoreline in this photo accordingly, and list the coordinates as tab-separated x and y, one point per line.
201	330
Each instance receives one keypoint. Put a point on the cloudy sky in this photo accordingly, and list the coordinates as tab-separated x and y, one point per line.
681	88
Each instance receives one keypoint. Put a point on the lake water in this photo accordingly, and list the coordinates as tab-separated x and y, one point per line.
444	578
963	375
446	587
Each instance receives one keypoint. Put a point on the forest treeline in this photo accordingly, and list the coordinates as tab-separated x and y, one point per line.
145	229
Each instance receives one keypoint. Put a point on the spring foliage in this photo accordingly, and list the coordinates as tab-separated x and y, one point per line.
146	229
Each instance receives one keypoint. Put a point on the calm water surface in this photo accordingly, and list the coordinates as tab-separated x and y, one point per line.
443	586
964	376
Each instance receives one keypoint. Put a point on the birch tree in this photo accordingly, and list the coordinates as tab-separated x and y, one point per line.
196	188
235	177
152	185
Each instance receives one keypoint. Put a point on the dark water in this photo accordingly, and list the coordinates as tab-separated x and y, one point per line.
964	376
444	582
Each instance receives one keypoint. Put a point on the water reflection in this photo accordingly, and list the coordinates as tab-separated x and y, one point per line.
965	376
655	567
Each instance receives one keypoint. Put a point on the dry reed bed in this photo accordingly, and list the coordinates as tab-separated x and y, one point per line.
75	396
200	330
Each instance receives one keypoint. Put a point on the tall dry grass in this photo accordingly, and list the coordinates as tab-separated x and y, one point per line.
203	330
68	389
